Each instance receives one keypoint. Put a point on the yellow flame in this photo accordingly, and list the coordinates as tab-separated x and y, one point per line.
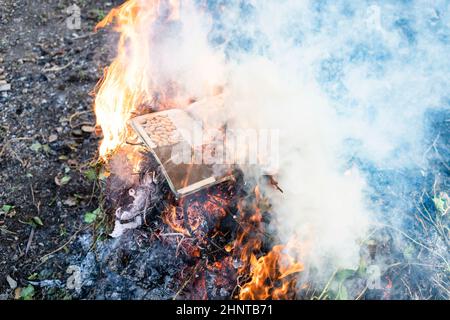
269	276
127	83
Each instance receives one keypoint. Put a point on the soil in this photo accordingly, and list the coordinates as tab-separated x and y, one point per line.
49	180
52	70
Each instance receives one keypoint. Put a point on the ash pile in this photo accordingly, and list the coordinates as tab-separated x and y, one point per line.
176	230
160	247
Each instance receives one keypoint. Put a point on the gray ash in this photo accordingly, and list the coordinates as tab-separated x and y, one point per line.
152	258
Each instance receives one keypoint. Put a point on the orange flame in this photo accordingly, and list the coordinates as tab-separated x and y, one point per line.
127	86
127	82
270	276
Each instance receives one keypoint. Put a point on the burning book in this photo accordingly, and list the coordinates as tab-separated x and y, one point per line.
176	139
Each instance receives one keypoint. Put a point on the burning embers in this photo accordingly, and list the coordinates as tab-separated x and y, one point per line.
217	219
219	232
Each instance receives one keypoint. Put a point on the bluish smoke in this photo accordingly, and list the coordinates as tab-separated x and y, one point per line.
384	68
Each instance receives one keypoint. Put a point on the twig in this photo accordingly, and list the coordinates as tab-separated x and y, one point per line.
6	145
30	239
86	35
324	291
193	274
187	225
362	293
431	146
56	69
44	257
441	158
407	287
238	285
18	158
442	287
172	234
38	204
3	229
217	246
94	184
418	243
76	114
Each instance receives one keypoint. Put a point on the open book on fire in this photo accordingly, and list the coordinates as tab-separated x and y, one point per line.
178	140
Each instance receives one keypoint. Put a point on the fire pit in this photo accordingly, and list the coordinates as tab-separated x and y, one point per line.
160	180
218	231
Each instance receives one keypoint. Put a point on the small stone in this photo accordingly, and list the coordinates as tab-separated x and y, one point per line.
77	132
52	138
71	202
4	86
92	15
87	129
17	293
12	283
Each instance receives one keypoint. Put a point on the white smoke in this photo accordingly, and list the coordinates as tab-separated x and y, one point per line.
341	81
181	55
322	203
338	79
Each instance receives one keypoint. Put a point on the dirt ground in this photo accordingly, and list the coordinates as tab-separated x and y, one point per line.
45	187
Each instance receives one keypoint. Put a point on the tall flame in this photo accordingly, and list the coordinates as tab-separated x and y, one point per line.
127	83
